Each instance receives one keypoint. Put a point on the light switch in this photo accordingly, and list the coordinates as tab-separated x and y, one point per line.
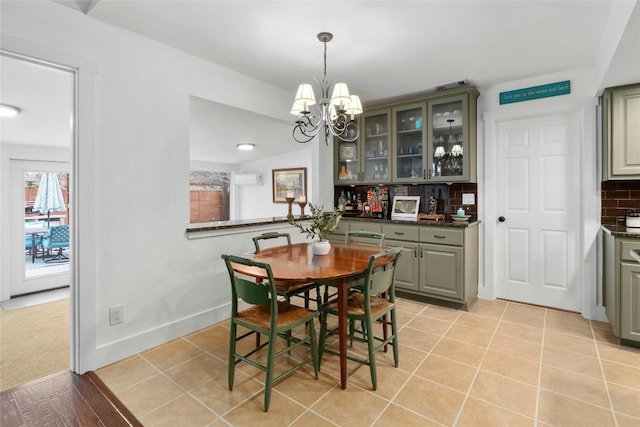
468	199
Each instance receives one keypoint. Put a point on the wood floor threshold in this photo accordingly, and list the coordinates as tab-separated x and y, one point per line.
64	398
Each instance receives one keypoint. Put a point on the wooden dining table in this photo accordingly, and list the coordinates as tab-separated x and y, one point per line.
298	263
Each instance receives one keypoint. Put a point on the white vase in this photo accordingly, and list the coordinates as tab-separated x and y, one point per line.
321	247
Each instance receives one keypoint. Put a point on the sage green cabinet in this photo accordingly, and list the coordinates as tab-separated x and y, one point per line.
442	271
630	301
366	160
439	262
409	140
621	282
408	268
452	138
621	133
431	138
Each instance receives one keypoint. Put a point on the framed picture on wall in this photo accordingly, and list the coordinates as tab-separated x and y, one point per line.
289	183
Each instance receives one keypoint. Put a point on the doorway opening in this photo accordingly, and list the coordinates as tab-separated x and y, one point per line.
40	141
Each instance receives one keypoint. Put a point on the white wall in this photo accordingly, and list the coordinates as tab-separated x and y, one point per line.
257	201
134	208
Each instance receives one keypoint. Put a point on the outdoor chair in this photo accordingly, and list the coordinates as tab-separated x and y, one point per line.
269	317
56	238
369	307
33	241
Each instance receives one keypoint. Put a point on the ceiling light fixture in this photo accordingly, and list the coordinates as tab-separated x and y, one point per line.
245	146
335	115
7	110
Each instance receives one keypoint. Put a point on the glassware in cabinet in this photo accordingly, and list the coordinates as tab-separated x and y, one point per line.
409	140
447	139
376	146
347	162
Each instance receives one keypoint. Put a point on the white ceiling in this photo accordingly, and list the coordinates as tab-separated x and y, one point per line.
380	48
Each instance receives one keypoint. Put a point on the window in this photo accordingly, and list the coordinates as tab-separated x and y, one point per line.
209	197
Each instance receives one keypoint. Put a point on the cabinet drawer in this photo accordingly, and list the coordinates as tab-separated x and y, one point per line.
625	248
441	235
342	228
400	232
365	226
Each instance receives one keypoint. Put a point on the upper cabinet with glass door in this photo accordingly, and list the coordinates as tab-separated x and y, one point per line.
376	147
452	138
366	161
408	142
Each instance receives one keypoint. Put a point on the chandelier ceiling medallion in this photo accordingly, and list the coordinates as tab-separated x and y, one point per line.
335	115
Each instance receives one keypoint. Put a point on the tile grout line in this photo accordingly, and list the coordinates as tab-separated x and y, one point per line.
475	375
604	376
412	373
536	416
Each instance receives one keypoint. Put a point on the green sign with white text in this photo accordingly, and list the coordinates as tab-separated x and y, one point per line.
535	92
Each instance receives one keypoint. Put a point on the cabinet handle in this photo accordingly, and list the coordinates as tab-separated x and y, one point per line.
397	233
415	252
437	236
420	252
428	173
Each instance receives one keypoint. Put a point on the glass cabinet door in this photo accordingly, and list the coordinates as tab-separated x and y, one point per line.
376	147
409	139
448	140
347	162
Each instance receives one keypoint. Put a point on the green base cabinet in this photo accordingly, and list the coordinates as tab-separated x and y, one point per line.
621	282
630	302
437	262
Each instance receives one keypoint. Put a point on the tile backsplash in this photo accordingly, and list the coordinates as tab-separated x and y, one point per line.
617	198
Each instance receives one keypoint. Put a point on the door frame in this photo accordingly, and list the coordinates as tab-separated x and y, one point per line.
589	271
82	299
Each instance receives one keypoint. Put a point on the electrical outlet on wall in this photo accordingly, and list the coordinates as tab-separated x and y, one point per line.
468	199
116	314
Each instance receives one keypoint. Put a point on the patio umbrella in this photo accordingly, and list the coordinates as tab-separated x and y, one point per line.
49	197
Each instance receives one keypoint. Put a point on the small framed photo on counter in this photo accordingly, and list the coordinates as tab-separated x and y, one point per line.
289	183
405	208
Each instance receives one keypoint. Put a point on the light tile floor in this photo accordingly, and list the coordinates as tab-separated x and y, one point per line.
500	364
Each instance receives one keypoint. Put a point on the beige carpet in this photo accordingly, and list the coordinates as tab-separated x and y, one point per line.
34	342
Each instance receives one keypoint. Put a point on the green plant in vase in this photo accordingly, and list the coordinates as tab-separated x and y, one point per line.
319	223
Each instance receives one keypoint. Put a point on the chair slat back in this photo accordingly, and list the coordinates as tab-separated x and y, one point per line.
59	234
379	280
247	290
364	237
271	235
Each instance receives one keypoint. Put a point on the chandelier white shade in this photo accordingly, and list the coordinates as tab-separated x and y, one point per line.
335	115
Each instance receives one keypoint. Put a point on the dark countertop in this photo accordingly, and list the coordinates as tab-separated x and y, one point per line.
445	223
621	231
224	225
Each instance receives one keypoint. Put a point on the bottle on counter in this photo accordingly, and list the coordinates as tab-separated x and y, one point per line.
348	207
342	201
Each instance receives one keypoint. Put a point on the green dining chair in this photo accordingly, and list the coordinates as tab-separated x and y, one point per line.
270	317
359	237
285	288
368	307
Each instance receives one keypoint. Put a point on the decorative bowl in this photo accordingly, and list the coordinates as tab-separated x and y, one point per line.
459	218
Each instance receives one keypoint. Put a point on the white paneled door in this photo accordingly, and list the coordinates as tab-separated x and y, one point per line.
537	205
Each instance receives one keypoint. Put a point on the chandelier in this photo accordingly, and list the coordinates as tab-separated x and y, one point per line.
335	115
